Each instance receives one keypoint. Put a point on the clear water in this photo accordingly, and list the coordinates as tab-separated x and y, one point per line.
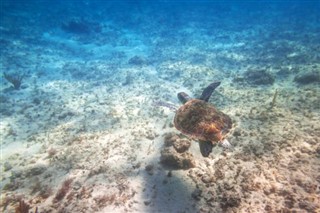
89	93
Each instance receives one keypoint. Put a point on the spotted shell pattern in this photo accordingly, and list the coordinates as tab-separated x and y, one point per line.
202	121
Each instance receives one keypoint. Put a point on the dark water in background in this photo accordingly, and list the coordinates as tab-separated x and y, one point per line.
162	25
150	19
166	29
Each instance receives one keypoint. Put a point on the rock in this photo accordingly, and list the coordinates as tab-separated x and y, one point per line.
207	178
196	194
37	170
258	77
230	200
181	145
307	77
81	27
170	138
147	202
149	169
171	158
310	207
137	61
237	132
7	166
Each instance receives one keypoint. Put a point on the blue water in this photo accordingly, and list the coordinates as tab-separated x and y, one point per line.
85	91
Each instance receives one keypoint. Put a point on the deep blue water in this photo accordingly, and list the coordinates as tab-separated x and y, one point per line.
162	24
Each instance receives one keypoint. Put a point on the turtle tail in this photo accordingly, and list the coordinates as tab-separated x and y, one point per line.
207	92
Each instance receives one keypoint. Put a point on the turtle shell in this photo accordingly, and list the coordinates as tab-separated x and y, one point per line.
202	121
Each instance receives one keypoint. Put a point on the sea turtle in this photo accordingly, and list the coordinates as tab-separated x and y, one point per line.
201	121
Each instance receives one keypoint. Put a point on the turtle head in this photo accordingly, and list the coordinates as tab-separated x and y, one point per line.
226	144
183	97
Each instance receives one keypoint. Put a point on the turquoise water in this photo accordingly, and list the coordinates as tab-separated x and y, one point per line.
89	95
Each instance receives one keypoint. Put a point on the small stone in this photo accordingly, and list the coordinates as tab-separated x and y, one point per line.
268	208
7	166
149	169
237	132
218	174
196	194
206	178
310	207
230	200
76	185
228	186
150	137
147	202
305	150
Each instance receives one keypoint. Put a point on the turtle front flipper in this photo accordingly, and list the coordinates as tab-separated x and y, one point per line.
205	148
207	92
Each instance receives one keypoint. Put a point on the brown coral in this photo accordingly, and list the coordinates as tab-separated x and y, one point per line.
63	190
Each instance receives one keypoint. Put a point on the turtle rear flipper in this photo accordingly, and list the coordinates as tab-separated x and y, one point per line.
205	148
207	92
183	97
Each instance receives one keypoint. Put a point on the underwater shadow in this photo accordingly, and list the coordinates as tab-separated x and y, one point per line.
166	190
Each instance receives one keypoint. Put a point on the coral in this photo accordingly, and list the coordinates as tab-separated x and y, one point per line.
105	200
274	98
14	78
63	190
22	207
